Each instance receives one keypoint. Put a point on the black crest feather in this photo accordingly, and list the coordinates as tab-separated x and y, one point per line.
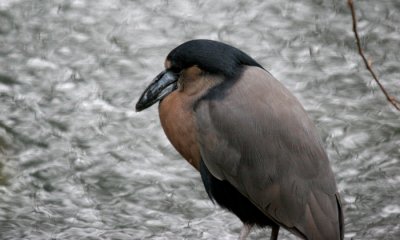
211	56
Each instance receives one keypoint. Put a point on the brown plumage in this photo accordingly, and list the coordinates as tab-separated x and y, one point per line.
177	118
258	153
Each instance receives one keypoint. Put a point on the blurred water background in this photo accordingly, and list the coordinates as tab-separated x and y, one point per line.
77	162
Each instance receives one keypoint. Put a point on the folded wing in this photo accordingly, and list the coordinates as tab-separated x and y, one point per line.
255	134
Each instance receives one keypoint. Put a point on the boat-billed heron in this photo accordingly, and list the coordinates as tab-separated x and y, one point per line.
258	153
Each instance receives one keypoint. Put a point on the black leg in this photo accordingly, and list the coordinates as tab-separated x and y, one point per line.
275	232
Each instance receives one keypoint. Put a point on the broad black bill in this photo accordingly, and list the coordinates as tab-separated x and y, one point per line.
161	86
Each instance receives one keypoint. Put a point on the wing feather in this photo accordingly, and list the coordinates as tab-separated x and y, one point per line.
258	137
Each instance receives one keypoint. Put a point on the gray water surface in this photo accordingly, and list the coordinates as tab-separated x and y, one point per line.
77	162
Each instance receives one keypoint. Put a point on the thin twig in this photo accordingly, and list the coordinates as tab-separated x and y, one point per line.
368	64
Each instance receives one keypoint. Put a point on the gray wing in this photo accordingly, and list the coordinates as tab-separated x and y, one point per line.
256	135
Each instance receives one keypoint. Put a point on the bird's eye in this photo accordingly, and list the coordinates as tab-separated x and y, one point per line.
176	70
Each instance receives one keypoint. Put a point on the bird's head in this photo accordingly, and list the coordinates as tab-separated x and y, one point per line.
209	56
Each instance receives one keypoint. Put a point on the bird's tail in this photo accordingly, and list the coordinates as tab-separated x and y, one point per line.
341	218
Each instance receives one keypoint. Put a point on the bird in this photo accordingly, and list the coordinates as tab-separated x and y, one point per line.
258	152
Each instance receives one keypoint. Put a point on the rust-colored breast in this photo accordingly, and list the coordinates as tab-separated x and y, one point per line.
177	120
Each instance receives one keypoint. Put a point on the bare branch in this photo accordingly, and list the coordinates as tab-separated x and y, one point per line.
368	63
